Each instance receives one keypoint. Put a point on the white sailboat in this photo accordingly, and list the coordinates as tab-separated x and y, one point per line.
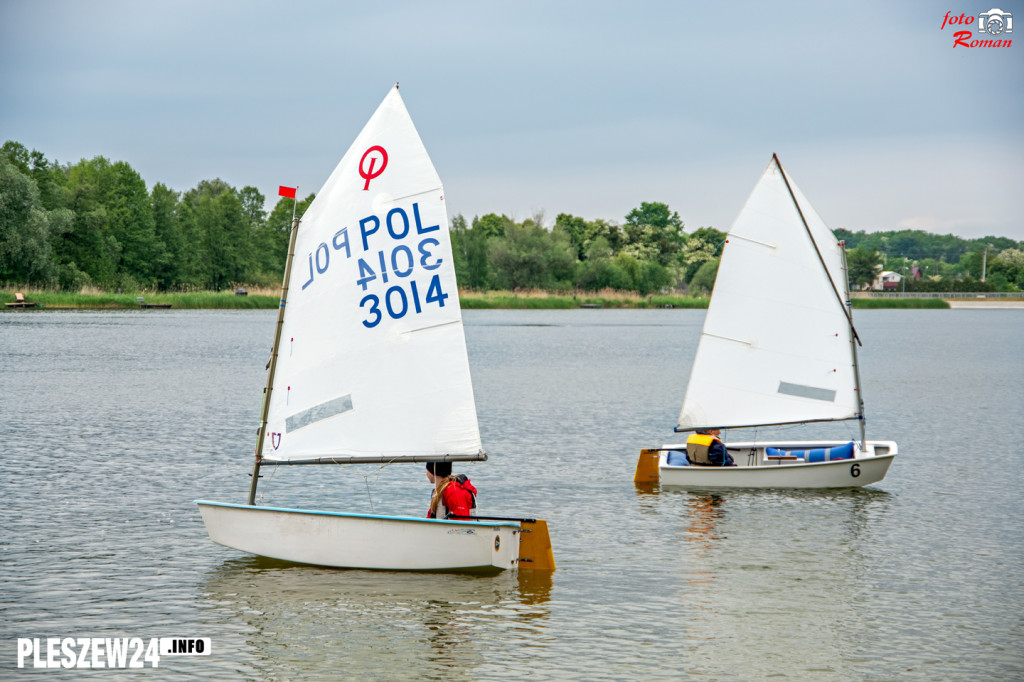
369	365
778	347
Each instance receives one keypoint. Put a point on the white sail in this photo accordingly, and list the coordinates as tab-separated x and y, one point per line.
776	344
372	359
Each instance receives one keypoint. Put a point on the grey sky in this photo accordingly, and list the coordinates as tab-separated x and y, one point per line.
586	107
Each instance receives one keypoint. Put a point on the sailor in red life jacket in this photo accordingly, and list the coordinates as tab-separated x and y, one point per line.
453	495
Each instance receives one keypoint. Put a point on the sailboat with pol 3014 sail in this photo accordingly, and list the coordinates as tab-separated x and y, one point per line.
369	365
778	347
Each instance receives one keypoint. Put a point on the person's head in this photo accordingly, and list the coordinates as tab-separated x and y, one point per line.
437	470
710	432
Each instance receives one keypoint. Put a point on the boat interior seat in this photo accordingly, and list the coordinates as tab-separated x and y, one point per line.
677	458
815	454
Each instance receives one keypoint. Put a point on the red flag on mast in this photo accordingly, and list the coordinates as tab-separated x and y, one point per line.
286	191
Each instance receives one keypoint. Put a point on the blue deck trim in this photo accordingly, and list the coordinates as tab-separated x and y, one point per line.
378	517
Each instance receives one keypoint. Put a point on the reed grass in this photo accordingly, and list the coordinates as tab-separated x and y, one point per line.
899	303
605	298
269	298
94	299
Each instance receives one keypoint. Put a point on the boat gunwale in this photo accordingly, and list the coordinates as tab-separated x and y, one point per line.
376	517
775	467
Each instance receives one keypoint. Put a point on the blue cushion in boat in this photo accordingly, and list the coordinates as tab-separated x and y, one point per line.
816	454
677	458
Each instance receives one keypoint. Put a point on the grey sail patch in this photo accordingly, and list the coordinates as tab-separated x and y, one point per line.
318	413
811	392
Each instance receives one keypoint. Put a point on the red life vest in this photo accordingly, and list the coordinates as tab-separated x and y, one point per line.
458	497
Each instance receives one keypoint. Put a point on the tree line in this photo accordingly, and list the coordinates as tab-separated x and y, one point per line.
94	223
937	263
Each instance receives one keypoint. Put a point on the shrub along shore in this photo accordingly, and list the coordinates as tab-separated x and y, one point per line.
265	299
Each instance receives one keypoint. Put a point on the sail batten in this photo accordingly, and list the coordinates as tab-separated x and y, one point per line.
763	358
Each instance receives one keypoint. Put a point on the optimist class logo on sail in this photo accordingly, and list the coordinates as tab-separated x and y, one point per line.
374	154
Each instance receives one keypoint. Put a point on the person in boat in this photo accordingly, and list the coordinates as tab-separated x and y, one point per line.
453	495
705	448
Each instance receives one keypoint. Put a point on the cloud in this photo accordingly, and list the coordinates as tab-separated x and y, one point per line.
588	108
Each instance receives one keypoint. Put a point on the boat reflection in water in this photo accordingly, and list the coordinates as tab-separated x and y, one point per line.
381	624
788	557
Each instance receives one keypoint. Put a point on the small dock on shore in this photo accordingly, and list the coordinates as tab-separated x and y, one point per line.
143	304
20	302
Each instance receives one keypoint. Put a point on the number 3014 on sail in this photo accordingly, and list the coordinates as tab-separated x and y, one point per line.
374	371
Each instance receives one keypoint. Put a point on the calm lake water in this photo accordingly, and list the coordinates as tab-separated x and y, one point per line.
112	423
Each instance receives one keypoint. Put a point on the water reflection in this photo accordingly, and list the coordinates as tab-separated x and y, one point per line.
535	587
300	620
793	561
701	516
704	511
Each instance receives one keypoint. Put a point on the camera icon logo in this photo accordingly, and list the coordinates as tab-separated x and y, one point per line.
995	21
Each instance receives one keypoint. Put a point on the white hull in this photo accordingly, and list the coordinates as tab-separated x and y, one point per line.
755	470
362	541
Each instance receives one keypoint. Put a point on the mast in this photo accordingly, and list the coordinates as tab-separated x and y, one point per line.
853	349
842	304
273	359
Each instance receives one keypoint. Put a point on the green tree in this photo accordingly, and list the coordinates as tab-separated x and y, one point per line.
131	224
17	155
600	270
478	269
1008	264
176	269
699	249
971	263
458	230
26	254
862	265
704	279
477	245
49	177
226	255
252	207
277	233
644	276
89	247
529	256
576	230
112	239
654	228
492	225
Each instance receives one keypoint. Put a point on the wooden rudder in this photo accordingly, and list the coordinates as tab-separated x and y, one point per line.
535	547
647	466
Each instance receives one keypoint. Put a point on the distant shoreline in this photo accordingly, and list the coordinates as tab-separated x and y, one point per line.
986	305
470	300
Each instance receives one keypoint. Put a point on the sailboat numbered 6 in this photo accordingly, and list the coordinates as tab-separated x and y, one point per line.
778	347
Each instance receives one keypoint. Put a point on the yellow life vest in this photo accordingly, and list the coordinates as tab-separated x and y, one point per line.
697	447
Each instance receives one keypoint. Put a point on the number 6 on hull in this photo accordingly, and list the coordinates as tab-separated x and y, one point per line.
778	347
